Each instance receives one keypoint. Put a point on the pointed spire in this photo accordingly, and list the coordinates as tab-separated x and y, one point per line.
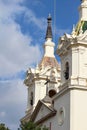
49	29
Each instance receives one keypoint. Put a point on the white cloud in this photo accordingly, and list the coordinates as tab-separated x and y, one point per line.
8	8
40	23
13	100
2	114
16	53
14	92
16	50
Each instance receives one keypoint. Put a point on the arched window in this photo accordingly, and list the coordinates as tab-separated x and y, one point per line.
66	73
31	99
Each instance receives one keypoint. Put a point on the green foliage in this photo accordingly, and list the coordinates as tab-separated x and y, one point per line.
44	128
28	126
3	127
31	126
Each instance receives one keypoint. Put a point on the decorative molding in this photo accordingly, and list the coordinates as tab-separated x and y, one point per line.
61	116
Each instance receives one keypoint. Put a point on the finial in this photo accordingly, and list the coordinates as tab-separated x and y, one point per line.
37	66
37	69
49	29
73	30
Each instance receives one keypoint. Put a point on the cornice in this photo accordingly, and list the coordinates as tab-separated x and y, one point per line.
44	74
65	43
67	86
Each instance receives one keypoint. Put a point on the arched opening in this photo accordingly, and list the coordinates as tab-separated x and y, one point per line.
52	93
66	73
31	99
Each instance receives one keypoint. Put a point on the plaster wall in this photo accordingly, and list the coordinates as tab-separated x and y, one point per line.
79	56
83	13
60	102
40	90
83	61
49	51
42	113
75	62
78	110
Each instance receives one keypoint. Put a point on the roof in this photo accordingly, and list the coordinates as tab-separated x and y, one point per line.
49	29
81	25
47	99
49	61
37	109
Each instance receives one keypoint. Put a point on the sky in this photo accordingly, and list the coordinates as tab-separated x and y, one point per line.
22	35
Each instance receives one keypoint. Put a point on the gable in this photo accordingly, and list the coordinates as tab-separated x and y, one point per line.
43	112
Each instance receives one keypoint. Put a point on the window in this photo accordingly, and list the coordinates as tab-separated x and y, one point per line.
31	98
66	72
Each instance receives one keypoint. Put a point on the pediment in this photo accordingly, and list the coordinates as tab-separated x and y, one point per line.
42	112
64	41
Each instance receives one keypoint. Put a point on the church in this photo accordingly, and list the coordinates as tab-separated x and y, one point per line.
57	91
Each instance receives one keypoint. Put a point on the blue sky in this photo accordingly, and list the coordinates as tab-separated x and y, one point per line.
22	34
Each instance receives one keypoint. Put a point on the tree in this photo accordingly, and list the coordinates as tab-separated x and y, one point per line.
3	127
27	126
31	126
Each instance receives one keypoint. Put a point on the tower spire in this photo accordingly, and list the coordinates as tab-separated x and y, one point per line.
49	29
83	10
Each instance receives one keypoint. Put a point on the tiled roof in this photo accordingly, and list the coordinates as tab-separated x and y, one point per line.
49	61
81	24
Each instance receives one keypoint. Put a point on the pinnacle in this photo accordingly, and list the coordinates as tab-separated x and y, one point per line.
49	29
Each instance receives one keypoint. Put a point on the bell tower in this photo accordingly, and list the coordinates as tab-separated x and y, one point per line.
72	49
45	78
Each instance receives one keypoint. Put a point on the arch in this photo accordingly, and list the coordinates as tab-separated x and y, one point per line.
52	92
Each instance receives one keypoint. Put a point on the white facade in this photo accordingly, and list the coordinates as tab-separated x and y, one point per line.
49	48
74	52
45	78
67	109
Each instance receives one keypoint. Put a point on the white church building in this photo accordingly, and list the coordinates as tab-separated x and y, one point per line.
57	92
